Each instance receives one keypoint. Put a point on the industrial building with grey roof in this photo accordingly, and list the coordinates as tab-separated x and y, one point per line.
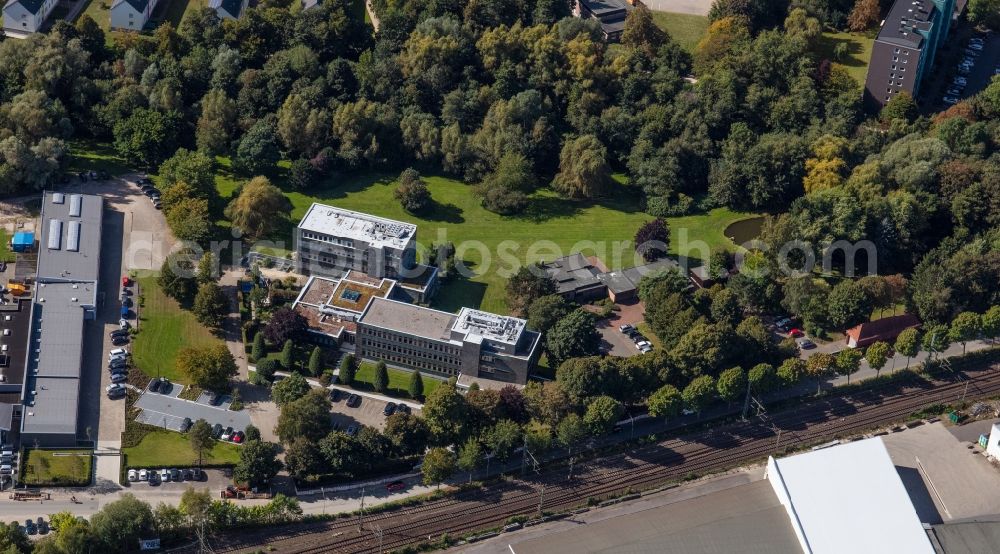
64	298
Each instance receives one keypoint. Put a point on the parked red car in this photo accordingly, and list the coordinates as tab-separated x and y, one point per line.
395	486
795	333
126	281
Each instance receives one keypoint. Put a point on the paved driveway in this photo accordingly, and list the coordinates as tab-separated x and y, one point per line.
369	413
169	412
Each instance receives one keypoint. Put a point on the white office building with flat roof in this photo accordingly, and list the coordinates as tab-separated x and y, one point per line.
331	241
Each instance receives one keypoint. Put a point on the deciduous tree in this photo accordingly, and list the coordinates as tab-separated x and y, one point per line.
573	336
209	367
527	285
848	362
289	389
877	355
908	344
965	327
439	464
412	192
666	402
652	240
258	463
259	209
864	15
732	384
699	393
602	414
211	307
285	324
583	168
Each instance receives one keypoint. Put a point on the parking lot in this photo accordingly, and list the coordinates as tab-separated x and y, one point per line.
985	63
212	479
168	411
369	413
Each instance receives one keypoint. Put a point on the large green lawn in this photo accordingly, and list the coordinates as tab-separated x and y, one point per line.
553	226
399	381
96	156
686	29
859	51
170	449
164	329
68	468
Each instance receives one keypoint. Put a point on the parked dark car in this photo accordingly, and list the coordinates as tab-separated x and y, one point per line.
154	385
165	386
196	474
390	408
217	430
403	409
185	425
353	401
119	340
335	395
29	527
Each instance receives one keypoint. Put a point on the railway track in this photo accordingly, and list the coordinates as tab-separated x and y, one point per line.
641	468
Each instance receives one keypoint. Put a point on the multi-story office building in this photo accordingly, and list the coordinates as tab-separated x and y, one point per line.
473	344
331	241
904	50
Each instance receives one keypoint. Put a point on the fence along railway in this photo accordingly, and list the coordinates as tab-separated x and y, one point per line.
641	468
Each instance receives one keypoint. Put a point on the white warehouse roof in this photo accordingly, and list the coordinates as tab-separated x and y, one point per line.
848	498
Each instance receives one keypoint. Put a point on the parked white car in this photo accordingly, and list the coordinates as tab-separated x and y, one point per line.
133	475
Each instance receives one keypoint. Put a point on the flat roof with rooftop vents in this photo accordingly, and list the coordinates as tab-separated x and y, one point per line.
497	328
374	230
70	245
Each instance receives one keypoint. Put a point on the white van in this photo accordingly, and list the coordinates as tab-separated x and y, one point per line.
117	353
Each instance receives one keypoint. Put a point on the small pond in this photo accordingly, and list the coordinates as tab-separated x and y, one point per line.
744	230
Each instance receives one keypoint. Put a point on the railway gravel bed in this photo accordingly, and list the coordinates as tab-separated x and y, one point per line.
641	468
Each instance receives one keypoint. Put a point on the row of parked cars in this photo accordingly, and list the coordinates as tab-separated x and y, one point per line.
149	189
36	527
165	475
640	341
972	51
787	325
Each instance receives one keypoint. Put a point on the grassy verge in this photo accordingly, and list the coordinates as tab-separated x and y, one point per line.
686	29
859	51
64	468
5	253
162	448
399	381
164	329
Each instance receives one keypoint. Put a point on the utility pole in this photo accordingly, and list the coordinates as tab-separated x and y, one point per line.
541	498
361	512
746	401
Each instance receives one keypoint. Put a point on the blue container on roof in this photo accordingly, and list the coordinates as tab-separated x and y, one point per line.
23	241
